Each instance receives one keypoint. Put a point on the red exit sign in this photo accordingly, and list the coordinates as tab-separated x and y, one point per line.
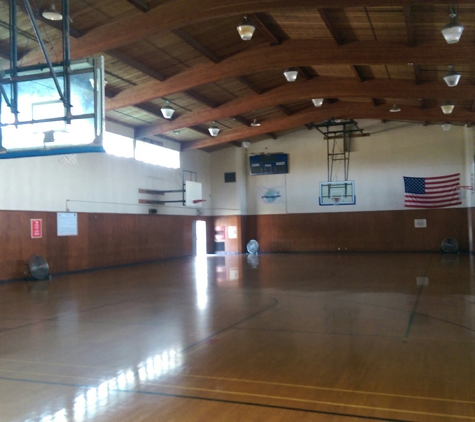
36	228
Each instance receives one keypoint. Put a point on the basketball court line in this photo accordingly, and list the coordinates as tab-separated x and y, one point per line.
214	400
259	396
326	403
279	384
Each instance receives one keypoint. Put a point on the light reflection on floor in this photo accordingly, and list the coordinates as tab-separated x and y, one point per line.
90	401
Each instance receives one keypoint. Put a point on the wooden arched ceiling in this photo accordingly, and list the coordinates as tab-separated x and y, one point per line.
361	56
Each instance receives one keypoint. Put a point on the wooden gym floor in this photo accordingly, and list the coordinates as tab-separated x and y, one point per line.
293	337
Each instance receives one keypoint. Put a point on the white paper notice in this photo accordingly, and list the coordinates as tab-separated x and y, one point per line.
67	224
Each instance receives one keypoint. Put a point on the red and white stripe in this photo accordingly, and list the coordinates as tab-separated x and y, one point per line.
441	191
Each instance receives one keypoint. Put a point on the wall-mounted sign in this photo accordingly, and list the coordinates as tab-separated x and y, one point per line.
232	232
420	223
219	233
67	223
36	228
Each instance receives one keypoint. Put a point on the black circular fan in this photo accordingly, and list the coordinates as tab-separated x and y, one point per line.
450	245
252	246
39	268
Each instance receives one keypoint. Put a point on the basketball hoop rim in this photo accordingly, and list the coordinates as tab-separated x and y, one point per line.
197	201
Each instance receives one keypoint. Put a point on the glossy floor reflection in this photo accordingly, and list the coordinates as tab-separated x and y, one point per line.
307	337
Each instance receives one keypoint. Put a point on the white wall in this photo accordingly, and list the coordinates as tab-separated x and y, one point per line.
228	198
98	183
377	165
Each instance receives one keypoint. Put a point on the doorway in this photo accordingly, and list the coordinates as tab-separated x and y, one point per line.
199	237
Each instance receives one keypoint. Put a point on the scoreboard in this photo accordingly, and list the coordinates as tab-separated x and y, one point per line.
269	164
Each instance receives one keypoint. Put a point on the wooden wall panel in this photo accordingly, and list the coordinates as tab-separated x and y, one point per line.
231	245
385	231
103	240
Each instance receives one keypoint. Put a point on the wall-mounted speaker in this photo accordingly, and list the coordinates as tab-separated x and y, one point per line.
152	211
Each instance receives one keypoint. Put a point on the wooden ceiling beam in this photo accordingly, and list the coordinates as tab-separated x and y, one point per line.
264	30
281	108
246	82
331	26
152	109
327	87
181	13
136	65
140	4
200	130
417	74
340	110
411	38
200	99
296	53
355	72
200	48
241	120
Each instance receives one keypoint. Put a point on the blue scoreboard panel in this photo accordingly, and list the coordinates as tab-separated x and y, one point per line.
269	164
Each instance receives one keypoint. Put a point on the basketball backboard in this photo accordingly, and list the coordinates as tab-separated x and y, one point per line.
43	126
337	193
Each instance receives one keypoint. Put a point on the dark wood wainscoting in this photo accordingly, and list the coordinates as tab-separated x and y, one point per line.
103	240
384	231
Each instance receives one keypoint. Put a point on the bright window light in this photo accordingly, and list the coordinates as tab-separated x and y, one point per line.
118	145
160	156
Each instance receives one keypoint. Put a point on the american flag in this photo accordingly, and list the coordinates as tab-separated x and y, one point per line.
432	192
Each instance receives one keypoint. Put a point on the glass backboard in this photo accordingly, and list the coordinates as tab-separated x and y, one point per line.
42	127
337	193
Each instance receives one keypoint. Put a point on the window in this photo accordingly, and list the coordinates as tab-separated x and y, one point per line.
118	145
160	156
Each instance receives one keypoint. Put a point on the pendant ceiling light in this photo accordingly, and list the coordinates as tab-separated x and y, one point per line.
167	111
317	102
452	78
446	126
51	13
213	130
453	30
255	123
291	74
447	107
246	29
394	109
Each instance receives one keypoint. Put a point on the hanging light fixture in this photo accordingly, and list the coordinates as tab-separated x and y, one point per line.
317	102
446	126
255	123
51	13
394	109
291	74
447	107
246	29
167	111
453	30
452	78
213	130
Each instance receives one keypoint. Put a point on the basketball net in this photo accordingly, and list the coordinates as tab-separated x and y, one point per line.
336	200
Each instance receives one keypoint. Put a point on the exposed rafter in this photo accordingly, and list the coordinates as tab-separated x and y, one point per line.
291	53
180	13
184	36
264	30
338	110
327	88
140	4
411	38
136	65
